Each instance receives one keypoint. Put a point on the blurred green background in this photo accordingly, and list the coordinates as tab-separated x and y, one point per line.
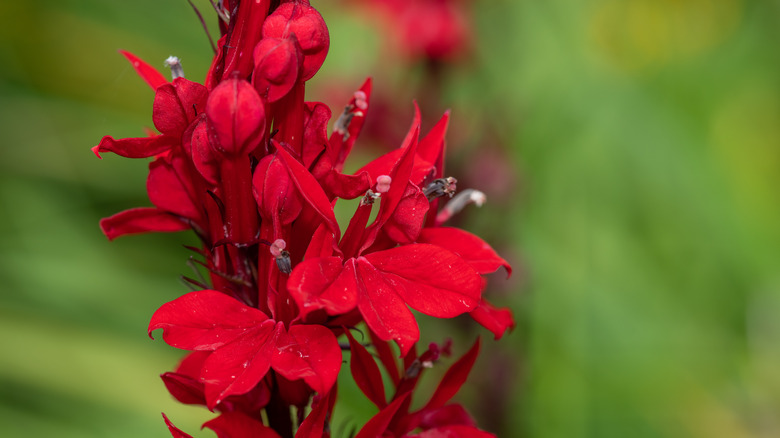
641	215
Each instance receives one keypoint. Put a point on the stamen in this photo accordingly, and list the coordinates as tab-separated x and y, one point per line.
175	65
282	257
383	183
459	202
441	187
369	198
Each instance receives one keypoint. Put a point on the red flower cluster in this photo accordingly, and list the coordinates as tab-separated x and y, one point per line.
246	163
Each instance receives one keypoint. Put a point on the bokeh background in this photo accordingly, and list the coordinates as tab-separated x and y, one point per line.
629	149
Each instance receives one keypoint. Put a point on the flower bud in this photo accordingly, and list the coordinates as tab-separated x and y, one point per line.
237	115
278	63
307	25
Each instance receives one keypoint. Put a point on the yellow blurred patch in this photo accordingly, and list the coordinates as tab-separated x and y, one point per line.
639	35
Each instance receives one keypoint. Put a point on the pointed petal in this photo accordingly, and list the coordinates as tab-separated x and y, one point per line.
429	278
496	320
431	148
204	320
136	147
474	250
315	131
454	378
314	423
239	425
383	310
346	186
141	220
149	74
240	365
366	373
175	431
323	283
308	352
377	425
310	190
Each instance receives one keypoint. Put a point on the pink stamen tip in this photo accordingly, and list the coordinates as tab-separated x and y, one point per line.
383	183
360	100
277	247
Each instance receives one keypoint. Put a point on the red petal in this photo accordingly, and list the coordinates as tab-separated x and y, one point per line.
204	320
320	245
275	192
474	250
168	189
240	365
278	63
308	352
382	309
453	379
496	320
310	190
307	24
136	147
454	432
400	178
407	220
323	283
184	389
366	372
448	415
175	431
237	114
430	279
315	131
346	186
431	148
378	424
239	425
167	113
141	220
314	424
149	74
338	147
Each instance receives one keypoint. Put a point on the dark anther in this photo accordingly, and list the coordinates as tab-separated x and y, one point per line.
283	262
369	198
440	187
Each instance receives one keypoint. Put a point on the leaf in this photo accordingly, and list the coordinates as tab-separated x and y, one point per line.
366	373
308	352
239	425
430	279
471	248
204	320
149	74
453	379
